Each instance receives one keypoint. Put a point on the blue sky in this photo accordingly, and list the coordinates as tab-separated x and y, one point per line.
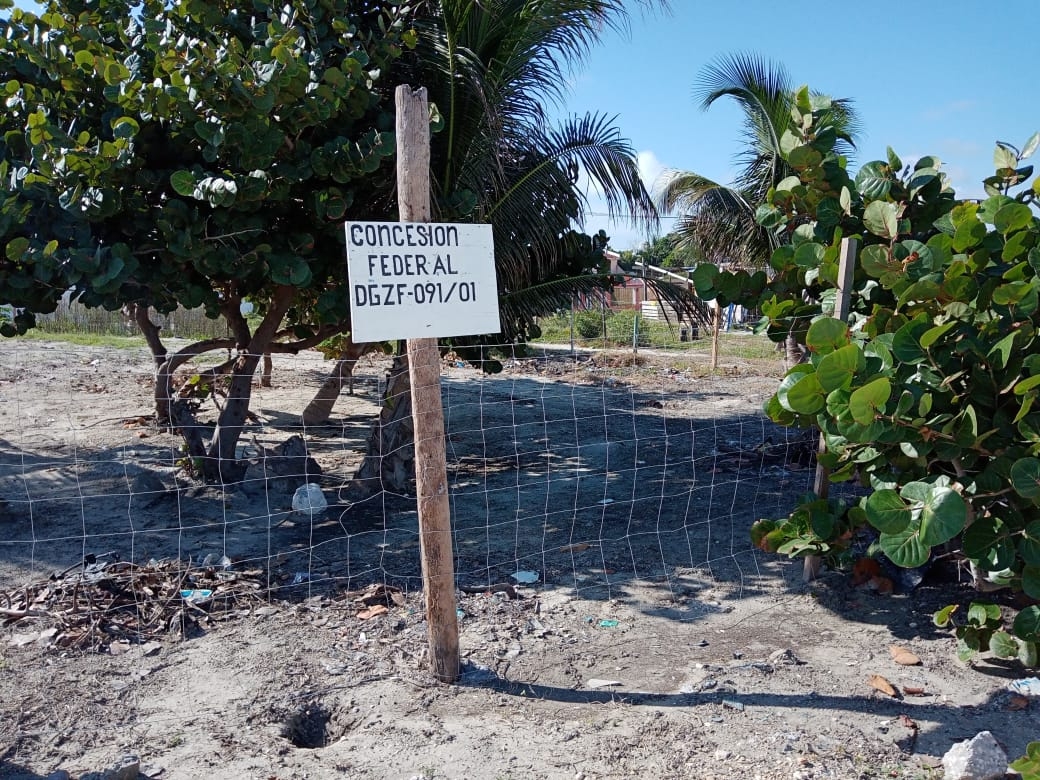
943	78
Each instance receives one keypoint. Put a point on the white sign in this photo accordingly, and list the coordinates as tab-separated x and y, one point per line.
421	280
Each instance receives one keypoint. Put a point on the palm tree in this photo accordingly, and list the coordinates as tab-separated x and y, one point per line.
490	69
718	218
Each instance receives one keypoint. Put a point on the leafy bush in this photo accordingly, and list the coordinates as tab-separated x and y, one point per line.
927	393
621	324
588	324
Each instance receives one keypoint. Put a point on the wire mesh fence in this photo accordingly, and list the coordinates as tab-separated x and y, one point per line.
588	469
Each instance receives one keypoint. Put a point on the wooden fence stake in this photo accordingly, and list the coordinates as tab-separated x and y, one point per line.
424	365
842	303
716	331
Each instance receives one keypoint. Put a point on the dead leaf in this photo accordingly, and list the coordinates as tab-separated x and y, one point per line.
878	682
575	548
864	570
1018	703
903	656
373	611
911	690
381	594
882	585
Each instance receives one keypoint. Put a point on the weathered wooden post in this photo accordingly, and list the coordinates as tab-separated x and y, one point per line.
424	365
842	303
421	281
716	331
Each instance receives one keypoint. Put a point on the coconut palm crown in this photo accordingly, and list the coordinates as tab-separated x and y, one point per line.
720	219
491	68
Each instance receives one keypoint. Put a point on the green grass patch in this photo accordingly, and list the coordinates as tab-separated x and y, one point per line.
86	339
618	330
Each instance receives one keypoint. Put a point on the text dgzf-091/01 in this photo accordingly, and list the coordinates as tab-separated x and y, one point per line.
422	292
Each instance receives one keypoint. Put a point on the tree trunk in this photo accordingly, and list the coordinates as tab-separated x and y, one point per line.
389	463
164	376
265	376
794	351
150	331
320	407
221	459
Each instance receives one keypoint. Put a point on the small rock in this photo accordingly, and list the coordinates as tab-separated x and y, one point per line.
126	768
784	658
979	758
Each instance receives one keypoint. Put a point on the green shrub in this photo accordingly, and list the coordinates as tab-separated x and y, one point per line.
588	324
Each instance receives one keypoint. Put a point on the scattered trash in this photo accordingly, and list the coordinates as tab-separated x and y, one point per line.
605	501
903	657
309	500
979	758
879	683
597	683
609	623
525	577
733	705
300	577
702	643
1029	686
460	613
196	595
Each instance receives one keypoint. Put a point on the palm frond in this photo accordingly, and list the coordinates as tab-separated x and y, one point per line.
552	296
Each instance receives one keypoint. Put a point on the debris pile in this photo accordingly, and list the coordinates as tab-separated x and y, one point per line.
104	602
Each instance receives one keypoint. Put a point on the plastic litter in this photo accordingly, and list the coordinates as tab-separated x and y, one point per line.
609	623
525	577
1029	686
196	595
597	683
309	500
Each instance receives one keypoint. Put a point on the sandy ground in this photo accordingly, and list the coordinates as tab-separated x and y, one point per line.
656	643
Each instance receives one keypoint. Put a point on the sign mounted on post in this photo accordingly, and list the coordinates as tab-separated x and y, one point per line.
421	280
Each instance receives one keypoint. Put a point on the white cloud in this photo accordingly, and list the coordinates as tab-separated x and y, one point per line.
650	168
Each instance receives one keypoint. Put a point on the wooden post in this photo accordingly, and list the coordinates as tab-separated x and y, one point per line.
424	366
842	302
715	331
572	326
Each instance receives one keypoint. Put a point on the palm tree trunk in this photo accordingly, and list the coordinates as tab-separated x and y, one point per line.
320	407
389	463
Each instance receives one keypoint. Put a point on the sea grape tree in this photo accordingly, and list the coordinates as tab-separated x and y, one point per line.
194	153
927	393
